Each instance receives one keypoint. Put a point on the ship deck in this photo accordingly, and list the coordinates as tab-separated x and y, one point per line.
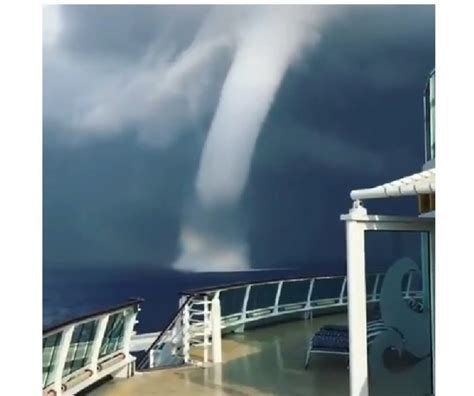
263	361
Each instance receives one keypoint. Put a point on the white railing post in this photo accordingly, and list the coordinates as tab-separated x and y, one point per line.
407	290
343	289
216	329
374	290
245	303
130	321
277	297
186	334
205	330
129	324
97	343
310	293
62	357
151	359
177	331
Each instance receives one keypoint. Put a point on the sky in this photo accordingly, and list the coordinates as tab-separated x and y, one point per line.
222	138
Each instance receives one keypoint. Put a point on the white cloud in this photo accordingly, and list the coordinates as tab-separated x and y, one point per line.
51	25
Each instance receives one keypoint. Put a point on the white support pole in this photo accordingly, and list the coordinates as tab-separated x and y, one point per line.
310	293
277	297
216	329
186	334
243	316
407	290
376	285
177	331
97	343
62	357
431	307
151	359
205	329
130	320
343	289
357	300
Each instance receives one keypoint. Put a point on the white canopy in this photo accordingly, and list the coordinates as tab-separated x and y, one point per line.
418	183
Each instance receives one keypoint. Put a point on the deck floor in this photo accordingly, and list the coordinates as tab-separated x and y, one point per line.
263	361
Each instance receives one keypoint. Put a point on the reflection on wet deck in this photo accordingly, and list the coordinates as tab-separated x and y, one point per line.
264	361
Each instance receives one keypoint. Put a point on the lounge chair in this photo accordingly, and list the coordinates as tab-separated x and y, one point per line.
334	339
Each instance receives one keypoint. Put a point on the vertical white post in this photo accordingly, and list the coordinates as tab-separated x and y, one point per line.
407	290
206	328
151	359
374	290
355	243
62	357
216	329
97	343
130	320
277	298
343	289
186	334
431	307
310	293
245	303
177	331
308	311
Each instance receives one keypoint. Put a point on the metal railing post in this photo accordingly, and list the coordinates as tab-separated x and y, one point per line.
357	300
130	321
374	290
245	303
151	359
177	331
216	329
343	288
62	357
205	330
407	290
97	343
310	293
277	297
186	334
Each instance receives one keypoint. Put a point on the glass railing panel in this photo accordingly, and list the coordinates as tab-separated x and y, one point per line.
51	345
114	332
294	292
327	288
79	353
232	301
369	284
262	296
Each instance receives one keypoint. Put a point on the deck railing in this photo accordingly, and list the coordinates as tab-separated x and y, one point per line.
206	314
82	351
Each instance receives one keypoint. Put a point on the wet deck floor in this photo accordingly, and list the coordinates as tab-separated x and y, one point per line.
264	361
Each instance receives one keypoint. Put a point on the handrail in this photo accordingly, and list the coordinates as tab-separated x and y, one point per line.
170	324
83	318
236	285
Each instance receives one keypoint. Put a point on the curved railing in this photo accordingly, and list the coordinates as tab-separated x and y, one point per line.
79	352
208	313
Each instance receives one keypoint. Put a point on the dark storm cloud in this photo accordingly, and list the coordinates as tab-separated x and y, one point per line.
348	115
